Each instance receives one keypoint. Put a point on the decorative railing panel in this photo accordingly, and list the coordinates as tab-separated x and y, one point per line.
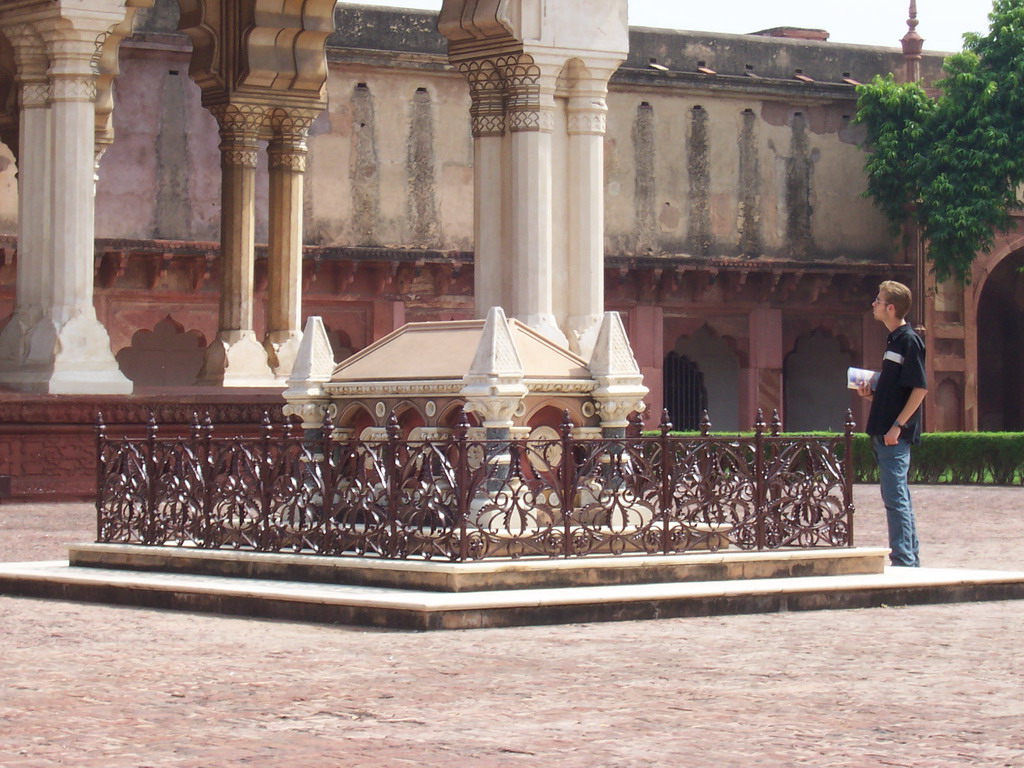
464	499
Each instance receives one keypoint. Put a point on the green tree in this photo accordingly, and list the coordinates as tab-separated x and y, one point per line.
955	163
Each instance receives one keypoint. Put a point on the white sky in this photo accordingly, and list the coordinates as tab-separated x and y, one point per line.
869	22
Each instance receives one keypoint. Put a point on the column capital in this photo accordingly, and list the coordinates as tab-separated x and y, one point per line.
525	107
584	82
240	126
495	411
73	88
33	94
29	50
30	63
289	130
291	121
239	117
75	35
287	154
487	95
591	119
487	114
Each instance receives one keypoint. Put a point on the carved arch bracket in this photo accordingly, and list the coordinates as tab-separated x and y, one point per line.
259	50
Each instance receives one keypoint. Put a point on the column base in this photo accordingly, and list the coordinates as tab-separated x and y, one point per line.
546	325
74	359
236	359
282	349
582	331
14	343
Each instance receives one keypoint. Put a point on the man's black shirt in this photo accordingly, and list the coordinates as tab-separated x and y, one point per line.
902	371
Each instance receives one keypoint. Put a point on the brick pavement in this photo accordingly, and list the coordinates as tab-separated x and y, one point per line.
935	686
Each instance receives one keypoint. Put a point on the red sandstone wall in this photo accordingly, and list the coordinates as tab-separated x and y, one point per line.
48	446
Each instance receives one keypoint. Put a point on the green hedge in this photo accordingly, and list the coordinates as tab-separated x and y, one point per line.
960	458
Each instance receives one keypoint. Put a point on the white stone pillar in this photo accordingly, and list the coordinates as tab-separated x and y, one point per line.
492	275
493	270
287	163
33	198
68	349
236	357
72	141
34	246
530	115
586	127
538	50
63	348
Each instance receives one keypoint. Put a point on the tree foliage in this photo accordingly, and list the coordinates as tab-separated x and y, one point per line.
955	163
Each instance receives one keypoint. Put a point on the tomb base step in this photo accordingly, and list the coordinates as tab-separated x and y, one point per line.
484	575
421	610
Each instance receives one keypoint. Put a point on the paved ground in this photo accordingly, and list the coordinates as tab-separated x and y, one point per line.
931	686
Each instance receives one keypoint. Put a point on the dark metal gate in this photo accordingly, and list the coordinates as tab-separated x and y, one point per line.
686	397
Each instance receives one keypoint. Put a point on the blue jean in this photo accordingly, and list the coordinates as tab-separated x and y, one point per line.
893	468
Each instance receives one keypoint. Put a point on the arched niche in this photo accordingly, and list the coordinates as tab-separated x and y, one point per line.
707	377
450	415
1000	321
355	417
166	356
409	417
551	413
814	382
948	406
546	416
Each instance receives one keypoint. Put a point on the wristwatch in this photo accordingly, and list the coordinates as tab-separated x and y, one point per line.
898	424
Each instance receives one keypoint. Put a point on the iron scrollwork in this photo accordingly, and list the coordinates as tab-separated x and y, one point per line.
462	499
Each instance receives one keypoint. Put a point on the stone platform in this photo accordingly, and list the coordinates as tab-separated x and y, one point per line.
434	595
493	574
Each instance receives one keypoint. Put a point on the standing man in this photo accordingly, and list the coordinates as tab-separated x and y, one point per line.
894	423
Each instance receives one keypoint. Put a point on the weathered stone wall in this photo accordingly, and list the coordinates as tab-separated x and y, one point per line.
734	205
161	177
742	145
729	153
718	175
391	161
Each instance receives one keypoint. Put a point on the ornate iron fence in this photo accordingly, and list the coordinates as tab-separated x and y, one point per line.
465	499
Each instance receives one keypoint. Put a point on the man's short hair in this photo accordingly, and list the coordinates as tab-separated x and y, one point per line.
896	294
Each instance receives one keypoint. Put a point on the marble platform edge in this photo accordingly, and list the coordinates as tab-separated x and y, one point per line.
491	574
409	609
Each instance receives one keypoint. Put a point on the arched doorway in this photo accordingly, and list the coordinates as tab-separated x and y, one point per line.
686	397
1000	341
814	382
702	373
